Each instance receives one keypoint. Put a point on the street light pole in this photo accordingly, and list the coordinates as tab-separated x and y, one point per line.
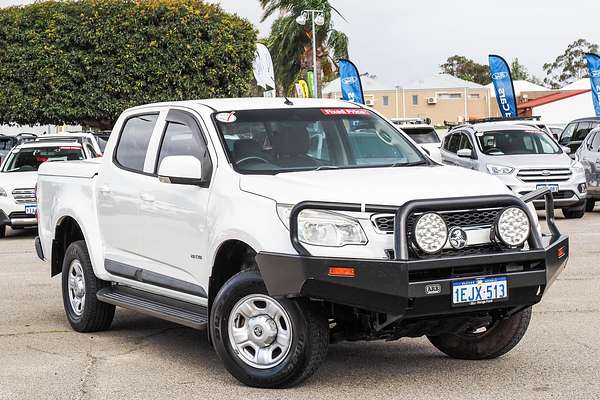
317	18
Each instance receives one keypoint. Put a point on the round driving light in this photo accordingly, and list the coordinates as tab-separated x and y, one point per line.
513	226
430	233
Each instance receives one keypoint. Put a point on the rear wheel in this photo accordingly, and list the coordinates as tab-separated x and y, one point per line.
79	286
266	342
589	205
2	231
573	213
486	342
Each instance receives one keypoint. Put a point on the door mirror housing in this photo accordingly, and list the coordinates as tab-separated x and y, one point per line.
182	170
566	149
465	153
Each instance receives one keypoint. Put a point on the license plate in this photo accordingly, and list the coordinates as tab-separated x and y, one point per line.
30	210
553	188
479	291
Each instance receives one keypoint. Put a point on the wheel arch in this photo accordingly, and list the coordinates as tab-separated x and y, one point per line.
66	231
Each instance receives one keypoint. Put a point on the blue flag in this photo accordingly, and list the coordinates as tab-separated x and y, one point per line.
593	62
503	84
350	81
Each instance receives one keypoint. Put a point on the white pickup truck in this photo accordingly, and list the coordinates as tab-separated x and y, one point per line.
285	225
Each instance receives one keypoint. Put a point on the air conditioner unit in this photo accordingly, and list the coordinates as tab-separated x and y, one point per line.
431	100
370	102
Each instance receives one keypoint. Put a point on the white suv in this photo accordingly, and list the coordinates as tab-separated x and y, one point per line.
18	177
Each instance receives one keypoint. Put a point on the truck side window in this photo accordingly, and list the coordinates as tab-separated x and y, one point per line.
454	143
596	142
181	139
565	138
133	142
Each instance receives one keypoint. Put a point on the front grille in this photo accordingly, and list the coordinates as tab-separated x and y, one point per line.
544	174
24	196
385	222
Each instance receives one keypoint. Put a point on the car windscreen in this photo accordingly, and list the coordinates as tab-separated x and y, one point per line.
7	143
285	140
422	135
30	159
515	142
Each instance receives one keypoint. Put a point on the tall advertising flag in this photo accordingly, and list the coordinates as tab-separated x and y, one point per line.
350	81
593	62
263	67
310	77
503	84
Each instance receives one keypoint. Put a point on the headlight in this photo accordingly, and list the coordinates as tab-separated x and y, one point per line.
3	193
577	167
512	226
324	228
499	169
430	233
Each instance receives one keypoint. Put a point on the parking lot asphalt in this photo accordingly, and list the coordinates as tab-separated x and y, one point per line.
145	358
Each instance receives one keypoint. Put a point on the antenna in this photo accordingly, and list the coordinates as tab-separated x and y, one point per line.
287	102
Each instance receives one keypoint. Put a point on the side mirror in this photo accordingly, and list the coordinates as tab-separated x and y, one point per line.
566	149
465	153
181	170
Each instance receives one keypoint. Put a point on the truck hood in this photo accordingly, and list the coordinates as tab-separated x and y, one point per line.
18	180
385	186
532	161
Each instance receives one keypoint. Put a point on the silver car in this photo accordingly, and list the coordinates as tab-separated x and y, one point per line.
589	156
524	158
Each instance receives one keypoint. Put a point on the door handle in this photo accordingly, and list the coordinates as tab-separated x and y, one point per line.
147	198
104	189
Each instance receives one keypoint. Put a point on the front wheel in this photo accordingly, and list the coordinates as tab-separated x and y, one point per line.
590	204
2	231
486	342
266	342
573	213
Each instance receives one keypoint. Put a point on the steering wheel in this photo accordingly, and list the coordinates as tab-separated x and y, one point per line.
245	159
492	149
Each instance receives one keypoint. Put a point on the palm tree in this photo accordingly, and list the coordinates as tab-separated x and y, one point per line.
291	44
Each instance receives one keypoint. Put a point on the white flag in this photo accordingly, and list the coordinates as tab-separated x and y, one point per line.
263	67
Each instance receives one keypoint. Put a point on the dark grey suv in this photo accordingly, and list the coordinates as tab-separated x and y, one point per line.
575	133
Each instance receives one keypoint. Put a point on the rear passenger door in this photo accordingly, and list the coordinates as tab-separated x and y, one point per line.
121	180
450	147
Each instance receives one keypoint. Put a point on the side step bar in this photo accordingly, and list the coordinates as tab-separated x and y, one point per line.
180	312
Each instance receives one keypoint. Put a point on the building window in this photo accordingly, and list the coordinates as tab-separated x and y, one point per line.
386	101
415	100
474	96
449	96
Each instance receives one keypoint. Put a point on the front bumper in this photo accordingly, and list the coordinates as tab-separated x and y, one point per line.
17	219
569	192
402	286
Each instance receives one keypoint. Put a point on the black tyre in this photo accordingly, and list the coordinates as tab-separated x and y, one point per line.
498	339
79	287
266	342
2	231
589	205
573	213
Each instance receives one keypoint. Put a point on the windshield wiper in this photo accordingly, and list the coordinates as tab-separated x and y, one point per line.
408	164
325	167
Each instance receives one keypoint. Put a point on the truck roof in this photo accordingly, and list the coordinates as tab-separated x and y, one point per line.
254	103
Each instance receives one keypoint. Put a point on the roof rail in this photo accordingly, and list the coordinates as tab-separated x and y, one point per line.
499	119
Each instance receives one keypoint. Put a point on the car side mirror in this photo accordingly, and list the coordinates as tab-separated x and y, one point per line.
566	149
181	170
465	153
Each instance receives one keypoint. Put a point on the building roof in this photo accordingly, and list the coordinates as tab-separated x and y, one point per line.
523	86
441	81
551	98
579	85
369	85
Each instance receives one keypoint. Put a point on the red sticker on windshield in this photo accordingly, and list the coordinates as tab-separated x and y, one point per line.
344	111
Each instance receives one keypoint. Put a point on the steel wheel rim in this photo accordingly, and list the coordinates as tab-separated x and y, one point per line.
260	331
76	287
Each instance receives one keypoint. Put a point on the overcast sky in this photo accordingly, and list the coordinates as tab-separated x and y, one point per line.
400	41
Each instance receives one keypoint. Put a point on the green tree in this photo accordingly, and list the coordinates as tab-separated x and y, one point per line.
291	44
467	69
570	66
83	62
519	71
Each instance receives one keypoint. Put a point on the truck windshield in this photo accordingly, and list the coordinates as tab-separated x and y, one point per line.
286	140
30	159
514	142
421	135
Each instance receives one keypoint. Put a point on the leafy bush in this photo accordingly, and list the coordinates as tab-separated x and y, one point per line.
83	62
